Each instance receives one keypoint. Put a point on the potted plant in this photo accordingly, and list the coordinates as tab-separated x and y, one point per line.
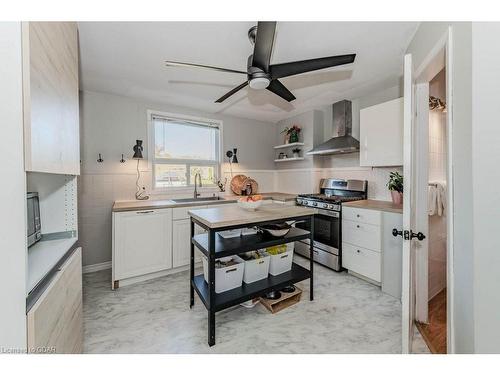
296	152
395	186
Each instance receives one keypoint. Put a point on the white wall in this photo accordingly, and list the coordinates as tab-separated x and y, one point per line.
486	177
110	124
426	37
13	221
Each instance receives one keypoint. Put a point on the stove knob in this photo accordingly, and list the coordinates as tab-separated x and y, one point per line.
325	205
315	204
299	201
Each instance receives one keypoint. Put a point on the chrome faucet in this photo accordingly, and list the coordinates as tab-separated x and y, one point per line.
196	176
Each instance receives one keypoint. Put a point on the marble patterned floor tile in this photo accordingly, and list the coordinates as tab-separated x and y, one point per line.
348	315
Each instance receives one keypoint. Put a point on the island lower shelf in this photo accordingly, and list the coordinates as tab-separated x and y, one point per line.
237	245
248	291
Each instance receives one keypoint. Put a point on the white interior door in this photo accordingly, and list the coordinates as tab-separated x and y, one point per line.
408	209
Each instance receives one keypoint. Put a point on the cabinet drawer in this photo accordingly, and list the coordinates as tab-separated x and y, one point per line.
362	215
55	321
361	234
181	213
363	261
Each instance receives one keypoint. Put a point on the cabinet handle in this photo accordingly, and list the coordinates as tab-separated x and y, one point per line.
358	251
144	212
357	226
357	215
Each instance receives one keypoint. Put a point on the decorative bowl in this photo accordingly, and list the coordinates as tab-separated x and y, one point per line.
249	205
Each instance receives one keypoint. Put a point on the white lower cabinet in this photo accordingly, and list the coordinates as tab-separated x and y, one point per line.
151	243
142	242
361	242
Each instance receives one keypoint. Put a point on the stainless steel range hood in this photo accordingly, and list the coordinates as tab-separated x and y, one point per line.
344	143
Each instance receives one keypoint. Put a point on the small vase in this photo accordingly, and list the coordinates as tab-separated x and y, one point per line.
296	155
287	139
397	197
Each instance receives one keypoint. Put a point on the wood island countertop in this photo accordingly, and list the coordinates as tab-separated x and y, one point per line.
219	217
371	204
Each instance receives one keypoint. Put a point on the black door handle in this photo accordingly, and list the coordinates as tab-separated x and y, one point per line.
419	236
408	235
396	232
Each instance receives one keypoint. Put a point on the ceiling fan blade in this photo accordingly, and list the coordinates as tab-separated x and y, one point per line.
297	67
279	89
263	45
188	65
233	91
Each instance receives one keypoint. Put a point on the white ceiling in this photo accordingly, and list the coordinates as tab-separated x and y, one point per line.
127	58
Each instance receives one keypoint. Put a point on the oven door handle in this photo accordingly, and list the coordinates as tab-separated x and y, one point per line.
329	213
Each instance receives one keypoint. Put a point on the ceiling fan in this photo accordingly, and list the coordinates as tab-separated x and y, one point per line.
260	74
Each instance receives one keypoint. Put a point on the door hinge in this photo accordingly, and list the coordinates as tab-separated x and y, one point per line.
406	235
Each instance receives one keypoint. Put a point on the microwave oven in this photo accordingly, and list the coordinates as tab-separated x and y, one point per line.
34	223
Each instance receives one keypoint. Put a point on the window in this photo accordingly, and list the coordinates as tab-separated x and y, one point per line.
183	148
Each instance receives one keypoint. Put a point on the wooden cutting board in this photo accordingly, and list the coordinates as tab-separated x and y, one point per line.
239	182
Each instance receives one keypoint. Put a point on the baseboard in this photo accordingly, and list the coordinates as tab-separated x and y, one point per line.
96	267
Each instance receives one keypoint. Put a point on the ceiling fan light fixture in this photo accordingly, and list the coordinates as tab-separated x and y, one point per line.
259	83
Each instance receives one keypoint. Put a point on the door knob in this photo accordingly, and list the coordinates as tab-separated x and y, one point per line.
419	236
396	232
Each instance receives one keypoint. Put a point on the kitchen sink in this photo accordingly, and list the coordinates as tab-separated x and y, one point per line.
197	200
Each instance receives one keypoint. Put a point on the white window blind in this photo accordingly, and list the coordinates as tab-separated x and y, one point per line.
183	148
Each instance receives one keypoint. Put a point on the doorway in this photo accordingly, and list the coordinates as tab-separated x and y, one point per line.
431	287
428	201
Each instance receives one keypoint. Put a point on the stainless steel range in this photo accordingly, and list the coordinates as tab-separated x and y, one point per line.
328	220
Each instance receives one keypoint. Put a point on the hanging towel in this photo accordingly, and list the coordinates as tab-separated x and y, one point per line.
432	200
441	198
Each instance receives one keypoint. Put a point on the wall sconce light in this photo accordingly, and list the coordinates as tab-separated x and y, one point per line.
232	156
140	193
100	159
122	160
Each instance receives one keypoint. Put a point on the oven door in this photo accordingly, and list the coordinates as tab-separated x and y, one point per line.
326	229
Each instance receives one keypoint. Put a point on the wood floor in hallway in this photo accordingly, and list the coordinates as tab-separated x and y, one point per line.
434	333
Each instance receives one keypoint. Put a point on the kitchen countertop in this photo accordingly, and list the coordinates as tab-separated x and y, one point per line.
221	216
371	204
120	206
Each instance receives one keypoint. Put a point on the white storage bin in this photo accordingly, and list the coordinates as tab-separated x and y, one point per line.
228	277
256	269
280	263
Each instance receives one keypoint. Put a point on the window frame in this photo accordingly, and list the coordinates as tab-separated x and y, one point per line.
152	161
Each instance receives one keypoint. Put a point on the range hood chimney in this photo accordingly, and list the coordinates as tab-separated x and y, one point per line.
344	143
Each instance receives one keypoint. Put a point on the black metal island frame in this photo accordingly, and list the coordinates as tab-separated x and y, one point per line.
213	246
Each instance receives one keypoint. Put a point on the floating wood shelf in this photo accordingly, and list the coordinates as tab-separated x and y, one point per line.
288	159
287	145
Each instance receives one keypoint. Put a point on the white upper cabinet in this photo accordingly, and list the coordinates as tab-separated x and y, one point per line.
50	94
381	134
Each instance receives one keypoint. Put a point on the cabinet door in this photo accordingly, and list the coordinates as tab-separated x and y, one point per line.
55	322
143	242
381	134
181	243
51	107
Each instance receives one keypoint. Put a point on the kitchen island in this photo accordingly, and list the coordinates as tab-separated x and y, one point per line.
213	246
